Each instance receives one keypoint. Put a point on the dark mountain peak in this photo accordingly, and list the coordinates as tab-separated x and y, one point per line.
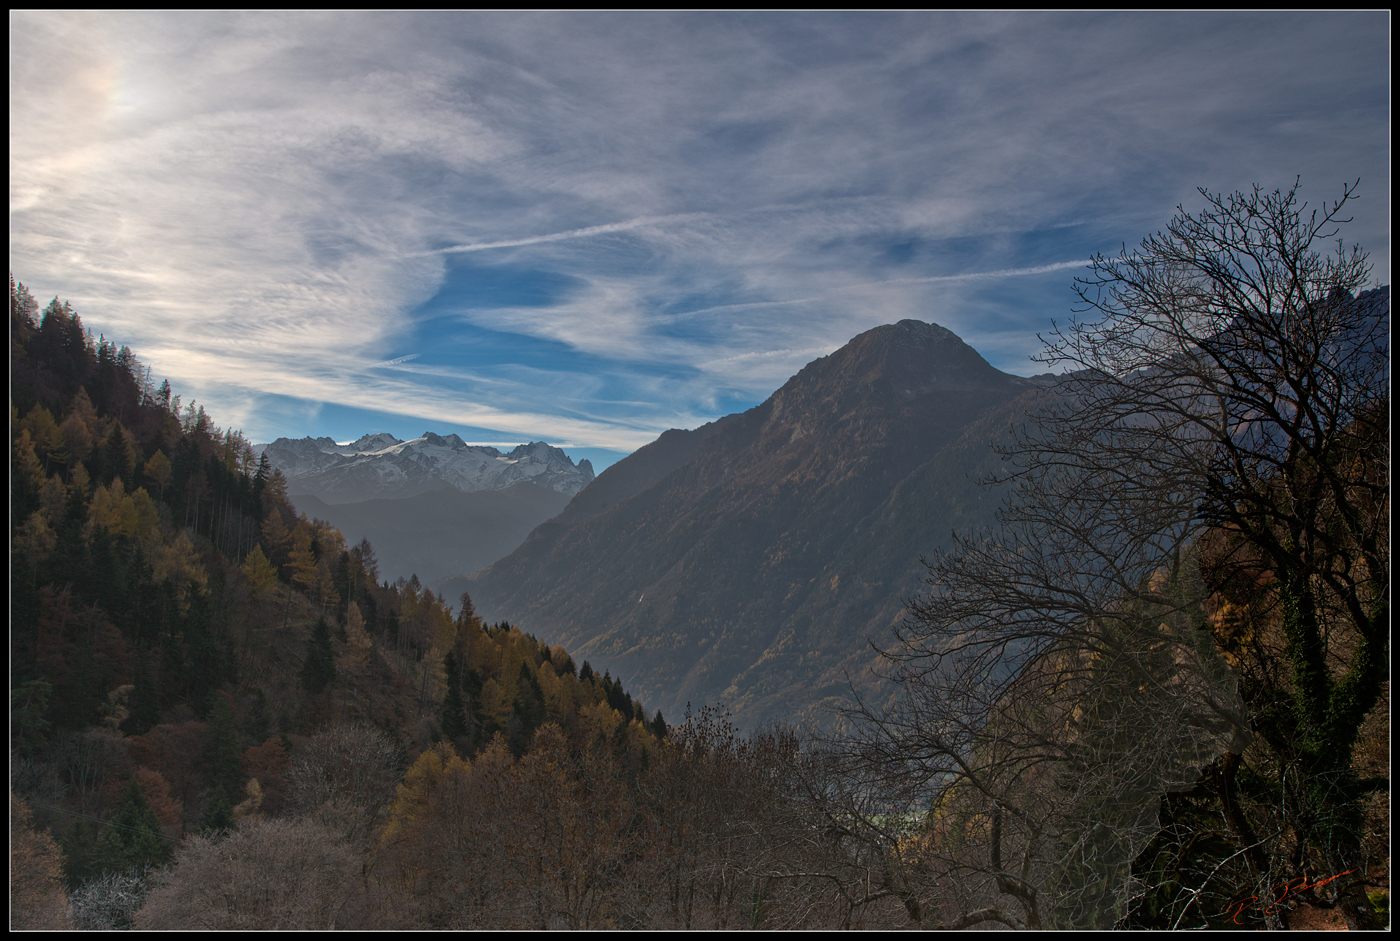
750	560
444	441
901	380
377	441
905	386
909	358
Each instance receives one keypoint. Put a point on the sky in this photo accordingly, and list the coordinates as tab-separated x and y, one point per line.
587	228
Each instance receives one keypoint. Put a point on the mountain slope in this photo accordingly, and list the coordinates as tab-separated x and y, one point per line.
755	570
440	532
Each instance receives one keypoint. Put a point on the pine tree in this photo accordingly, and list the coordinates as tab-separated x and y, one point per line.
134	840
221	751
257	724
78	701
531	697
145	698
318	671
218	815
527	711
454	712
466	611
79	848
28	706
481	723
454	715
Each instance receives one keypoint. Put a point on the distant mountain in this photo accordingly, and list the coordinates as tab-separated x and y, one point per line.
753	560
381	466
440	532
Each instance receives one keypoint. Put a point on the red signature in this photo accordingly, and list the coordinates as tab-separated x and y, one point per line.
1283	891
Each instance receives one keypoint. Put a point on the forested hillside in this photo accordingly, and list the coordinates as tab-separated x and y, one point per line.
182	641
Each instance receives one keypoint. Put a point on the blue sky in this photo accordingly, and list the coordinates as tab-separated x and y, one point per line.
589	228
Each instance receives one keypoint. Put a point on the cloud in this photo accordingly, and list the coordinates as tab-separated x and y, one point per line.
593	230
267	204
989	275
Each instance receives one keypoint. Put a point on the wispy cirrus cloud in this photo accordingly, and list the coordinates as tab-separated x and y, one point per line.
593	227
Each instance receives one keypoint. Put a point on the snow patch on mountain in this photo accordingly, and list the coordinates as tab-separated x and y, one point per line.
380	465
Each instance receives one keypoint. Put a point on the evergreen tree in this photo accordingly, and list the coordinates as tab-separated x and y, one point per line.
658	726
617	697
318	671
258	722
208	662
218	814
264	471
134	840
454	712
466	611
527	711
78	700
454	715
145	698
531	698
28	706
221	751
481	724
79	854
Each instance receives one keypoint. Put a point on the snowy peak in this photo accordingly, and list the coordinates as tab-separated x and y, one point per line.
376	442
380	465
437	441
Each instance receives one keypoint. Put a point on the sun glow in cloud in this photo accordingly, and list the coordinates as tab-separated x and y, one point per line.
590	228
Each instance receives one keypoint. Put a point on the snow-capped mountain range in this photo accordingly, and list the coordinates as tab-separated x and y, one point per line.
380	465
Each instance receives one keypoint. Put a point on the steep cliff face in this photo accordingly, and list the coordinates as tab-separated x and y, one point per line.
751	561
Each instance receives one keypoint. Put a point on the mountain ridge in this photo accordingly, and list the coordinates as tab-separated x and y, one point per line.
704	582
381	466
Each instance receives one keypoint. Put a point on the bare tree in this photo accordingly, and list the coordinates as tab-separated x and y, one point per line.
765	831
109	901
1060	674
344	777
265	875
89	761
1236	331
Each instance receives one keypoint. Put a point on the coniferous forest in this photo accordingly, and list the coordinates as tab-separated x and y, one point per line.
221	717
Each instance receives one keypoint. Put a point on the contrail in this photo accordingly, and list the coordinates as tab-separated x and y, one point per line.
638	223
975	275
970	276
